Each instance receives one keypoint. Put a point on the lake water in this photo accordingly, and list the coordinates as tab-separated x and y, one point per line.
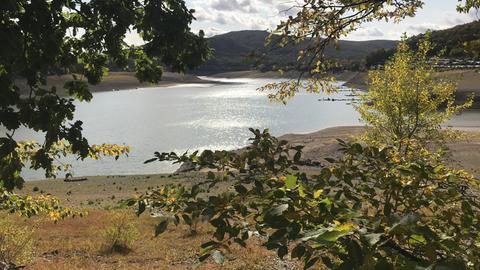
194	117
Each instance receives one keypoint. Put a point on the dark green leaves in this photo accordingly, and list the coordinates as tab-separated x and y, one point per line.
366	211
241	189
79	90
298	251
83	38
141	207
161	227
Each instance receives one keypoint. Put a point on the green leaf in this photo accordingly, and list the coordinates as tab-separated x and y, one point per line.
209	244
241	189
298	251
331	160
383	264
291	182
311	263
187	219
161	227
333	234
387	209
142	206
282	251
204	257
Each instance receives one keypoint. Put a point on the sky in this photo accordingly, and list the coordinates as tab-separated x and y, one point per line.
221	16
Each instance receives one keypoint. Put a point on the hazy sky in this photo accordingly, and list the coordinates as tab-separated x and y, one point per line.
220	16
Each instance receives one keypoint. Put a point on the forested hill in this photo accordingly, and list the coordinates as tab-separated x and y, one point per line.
452	39
450	43
231	51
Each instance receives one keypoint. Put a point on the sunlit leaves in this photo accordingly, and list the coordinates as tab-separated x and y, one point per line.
29	206
467	5
406	104
323	23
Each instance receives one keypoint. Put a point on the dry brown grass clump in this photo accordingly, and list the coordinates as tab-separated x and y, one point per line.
75	244
120	234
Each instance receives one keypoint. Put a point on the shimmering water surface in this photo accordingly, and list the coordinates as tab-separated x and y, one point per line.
191	117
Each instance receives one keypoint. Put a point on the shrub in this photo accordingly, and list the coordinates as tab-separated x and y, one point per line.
16	242
387	204
371	209
120	235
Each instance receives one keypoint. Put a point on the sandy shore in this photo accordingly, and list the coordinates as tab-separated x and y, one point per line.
123	81
78	243
100	191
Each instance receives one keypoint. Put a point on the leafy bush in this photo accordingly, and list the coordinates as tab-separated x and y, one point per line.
16	242
390	203
120	235
372	209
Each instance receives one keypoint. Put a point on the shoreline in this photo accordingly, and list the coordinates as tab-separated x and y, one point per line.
318	145
468	80
120	81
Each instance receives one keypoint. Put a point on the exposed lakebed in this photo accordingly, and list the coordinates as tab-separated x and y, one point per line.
196	117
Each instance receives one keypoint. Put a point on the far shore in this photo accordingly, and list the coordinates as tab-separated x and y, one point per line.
468	80
116	81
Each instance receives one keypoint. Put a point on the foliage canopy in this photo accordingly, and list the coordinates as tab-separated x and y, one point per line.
387	204
79	37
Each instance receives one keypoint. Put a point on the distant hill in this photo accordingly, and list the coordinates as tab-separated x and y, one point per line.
451	40
448	41
232	50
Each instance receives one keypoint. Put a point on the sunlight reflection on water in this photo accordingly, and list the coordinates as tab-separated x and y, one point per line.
192	117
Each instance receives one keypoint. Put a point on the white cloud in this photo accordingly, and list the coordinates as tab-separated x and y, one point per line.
221	16
213	31
367	32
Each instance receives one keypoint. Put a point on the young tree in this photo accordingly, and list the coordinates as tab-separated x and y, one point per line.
406	105
78	37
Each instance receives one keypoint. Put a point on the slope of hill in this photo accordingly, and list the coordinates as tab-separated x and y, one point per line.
232	50
452	39
448	43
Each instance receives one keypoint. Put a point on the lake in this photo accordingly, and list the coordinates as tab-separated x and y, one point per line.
195	117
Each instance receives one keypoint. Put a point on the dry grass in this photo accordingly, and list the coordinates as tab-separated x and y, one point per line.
105	191
74	244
